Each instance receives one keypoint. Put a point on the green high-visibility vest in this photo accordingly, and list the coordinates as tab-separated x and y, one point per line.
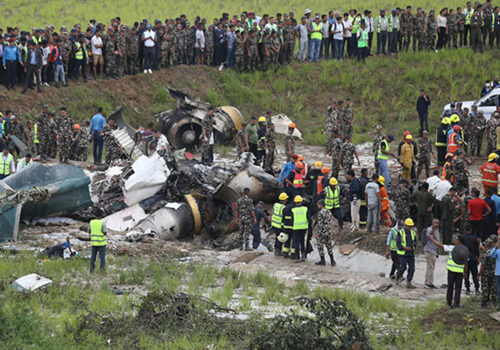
380	154
379	19
97	238
79	52
403	240
356	25
454	267
300	218
468	16
314	34
393	245
26	163
5	165
332	198
3	128
35	131
277	218
363	39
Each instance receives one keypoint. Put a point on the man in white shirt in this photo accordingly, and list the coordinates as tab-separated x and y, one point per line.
97	45
433	181
149	39
199	45
347	38
372	198
161	142
337	31
442	188
370	28
303	41
24	162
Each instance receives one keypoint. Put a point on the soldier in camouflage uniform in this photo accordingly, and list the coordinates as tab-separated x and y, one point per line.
133	52
270	142
48	141
324	231
240	140
487	272
66	49
288	40
459	168
239	52
19	131
83	141
266	47
461	26
478	125
167	41
346	117
189	42
289	144
491	134
376	144
207	124
452	23
275	49
401	196
121	58
330	125
252	51
179	45
424	155
64	131
465	123
419	30
245	217
431	31
347	154
113	150
209	46
407	28
110	57
335	150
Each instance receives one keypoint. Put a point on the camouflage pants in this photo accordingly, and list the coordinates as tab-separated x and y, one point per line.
268	161
406	39
347	166
461	184
83	153
431	41
424	164
267	62
245	227
476	143
289	47
132	64
488	289
209	51
335	167
239	63
121	64
420	37
207	153
165	57
347	131
112	153
178	55
452	39
274	59
252	61
64	148
324	240
52	147
491	145
402	211
111	69
328	148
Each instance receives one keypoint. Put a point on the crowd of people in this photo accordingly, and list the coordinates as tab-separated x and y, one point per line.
245	42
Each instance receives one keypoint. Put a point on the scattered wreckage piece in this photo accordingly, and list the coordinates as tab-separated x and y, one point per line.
10	213
30	283
281	122
183	125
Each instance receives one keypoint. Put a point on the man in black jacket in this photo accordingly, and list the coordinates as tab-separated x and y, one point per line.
423	103
32	67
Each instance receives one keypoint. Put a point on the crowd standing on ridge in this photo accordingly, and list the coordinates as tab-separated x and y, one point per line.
244	42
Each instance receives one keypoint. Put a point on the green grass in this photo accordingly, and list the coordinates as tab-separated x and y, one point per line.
38	14
57	314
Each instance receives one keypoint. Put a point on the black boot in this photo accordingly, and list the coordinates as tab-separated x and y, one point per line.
321	262
332	260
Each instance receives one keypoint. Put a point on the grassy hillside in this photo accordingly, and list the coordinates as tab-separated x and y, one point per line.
32	14
383	91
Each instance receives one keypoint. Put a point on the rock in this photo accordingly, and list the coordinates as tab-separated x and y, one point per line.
495	316
347	249
381	274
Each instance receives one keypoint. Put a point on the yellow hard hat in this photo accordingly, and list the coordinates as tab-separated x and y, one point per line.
445	121
492	156
409	222
318	164
409	137
283	196
454	118
381	179
262	119
333	181
297	199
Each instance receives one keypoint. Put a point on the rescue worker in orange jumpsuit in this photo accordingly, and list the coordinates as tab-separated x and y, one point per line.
490	171
384	211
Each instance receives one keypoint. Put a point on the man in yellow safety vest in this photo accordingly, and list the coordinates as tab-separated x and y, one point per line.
406	241
277	222
300	224
98	234
7	165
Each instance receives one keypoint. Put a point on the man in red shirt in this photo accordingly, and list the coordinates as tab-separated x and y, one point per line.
477	209
490	171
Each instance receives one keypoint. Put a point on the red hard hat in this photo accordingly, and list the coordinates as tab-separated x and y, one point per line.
456	128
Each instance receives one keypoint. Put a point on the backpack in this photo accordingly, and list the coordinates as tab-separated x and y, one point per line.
423	237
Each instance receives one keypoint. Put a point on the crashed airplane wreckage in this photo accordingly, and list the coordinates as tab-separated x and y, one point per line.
148	193
158	195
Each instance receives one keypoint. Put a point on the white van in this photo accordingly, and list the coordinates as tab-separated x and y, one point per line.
488	103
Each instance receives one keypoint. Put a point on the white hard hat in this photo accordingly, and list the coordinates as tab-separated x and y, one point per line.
308	11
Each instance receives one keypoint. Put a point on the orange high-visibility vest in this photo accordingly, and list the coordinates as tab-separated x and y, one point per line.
452	145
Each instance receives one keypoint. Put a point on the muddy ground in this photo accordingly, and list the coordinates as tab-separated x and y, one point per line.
364	269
